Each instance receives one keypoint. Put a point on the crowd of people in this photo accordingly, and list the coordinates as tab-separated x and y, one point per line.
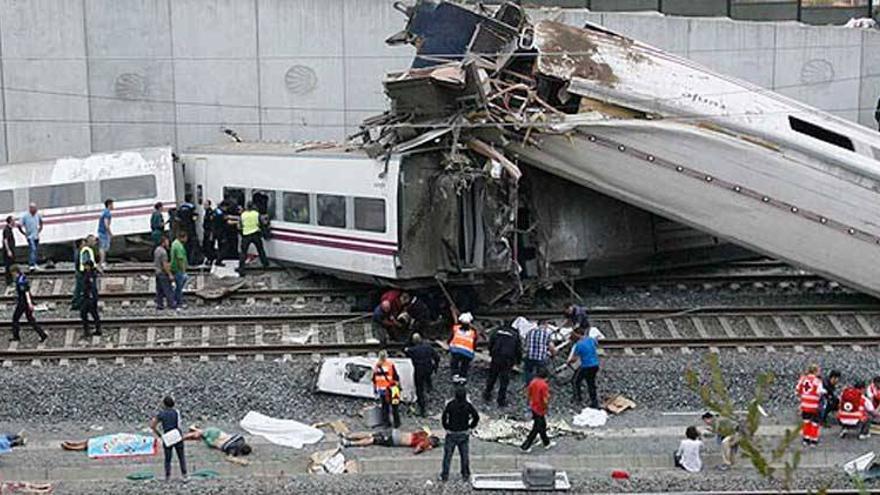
856	407
228	233
507	349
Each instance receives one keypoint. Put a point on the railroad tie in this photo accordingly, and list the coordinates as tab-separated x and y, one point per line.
811	326
646	330
230	341
615	327
96	342
698	324
786	332
728	330
151	342
13	346
866	327
123	342
670	325
258	341
756	329
69	337
839	328
178	341
206	341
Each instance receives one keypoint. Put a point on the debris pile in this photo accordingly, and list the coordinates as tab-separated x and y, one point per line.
479	83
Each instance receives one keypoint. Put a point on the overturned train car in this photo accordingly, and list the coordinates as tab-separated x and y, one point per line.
650	129
406	217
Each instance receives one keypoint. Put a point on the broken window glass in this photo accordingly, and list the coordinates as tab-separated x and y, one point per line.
296	207
357	372
369	214
235	195
331	211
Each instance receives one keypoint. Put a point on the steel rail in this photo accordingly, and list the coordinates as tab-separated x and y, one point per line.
498	315
238	294
172	350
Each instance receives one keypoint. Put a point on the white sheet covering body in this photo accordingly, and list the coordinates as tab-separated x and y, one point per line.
284	432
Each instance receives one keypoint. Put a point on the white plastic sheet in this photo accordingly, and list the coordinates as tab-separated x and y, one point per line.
591	418
284	432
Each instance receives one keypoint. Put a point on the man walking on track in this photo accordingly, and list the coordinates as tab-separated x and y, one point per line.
24	305
538	393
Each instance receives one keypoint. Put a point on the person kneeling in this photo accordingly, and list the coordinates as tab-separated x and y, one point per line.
853	412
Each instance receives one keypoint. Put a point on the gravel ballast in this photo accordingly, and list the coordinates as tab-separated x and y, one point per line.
225	391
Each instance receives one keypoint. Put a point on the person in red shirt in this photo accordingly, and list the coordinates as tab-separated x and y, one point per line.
538	393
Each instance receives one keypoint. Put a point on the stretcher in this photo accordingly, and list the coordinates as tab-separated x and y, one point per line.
514	482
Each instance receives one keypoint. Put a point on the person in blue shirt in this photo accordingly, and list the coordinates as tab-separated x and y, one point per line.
586	350
30	226
104	232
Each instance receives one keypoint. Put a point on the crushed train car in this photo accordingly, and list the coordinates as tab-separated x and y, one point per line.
517	115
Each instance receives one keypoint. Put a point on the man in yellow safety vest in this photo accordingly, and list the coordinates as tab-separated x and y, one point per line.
251	234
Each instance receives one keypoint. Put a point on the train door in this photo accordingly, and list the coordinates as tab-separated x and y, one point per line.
471	238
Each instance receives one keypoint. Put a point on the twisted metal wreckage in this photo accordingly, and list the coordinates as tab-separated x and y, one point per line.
479	83
509	106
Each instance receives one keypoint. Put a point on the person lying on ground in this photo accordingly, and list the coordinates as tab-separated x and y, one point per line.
215	438
420	441
8	441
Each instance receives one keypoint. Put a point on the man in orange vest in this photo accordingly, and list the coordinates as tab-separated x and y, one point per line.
853	413
462	346
386	385
809	390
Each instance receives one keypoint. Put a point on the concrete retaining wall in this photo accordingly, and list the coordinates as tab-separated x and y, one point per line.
82	76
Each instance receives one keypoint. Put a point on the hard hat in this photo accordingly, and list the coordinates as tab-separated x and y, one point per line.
466	318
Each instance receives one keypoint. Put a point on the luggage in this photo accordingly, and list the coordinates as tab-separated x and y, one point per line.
536	476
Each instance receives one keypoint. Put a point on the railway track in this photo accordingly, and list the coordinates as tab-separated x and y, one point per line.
628	332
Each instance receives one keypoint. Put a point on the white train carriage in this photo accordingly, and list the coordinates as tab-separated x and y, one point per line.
70	192
331	209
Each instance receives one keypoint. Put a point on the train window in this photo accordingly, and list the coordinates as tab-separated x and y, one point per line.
6	202
234	194
814	131
58	196
369	214
129	188
331	211
265	202
296	207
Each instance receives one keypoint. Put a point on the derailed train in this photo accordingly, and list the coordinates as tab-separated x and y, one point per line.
542	151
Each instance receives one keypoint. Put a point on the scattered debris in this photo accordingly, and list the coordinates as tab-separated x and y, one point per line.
619	474
25	487
512	432
284	432
591	418
330	462
859	464
217	288
618	404
353	376
535	474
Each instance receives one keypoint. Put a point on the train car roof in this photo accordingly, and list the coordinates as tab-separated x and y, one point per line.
321	148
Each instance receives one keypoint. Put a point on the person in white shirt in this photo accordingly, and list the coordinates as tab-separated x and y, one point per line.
687	456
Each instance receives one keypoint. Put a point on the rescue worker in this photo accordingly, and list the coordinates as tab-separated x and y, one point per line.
157	224
462	346
415	315
24	305
425	360
585	351
251	234
8	248
576	317
853	412
90	299
85	252
505	348
187	217
385	325
386	385
809	390
209	238
830	401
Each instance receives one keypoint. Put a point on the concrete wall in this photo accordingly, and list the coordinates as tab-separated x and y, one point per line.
93	75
